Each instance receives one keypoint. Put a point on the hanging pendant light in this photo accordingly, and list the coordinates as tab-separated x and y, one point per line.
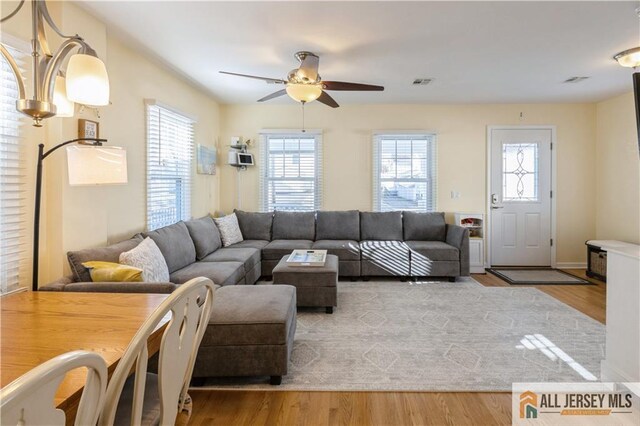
64	107
87	80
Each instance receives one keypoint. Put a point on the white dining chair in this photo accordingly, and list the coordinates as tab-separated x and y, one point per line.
146	398
28	400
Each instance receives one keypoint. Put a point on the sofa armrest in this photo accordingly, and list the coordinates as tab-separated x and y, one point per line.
112	287
57	285
458	237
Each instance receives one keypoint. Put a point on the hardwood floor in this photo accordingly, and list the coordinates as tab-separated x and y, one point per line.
382	408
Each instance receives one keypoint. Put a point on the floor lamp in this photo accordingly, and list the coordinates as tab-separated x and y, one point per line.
89	163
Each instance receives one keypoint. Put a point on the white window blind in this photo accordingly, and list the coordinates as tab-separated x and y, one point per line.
13	256
291	171
404	172
169	162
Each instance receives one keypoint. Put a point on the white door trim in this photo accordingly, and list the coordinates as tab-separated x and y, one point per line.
554	170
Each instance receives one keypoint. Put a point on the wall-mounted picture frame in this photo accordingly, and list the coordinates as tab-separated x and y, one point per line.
206	161
88	129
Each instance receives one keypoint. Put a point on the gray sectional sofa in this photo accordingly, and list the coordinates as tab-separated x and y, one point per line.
251	329
403	244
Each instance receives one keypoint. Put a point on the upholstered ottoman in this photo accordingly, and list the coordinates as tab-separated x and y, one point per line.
315	285
250	333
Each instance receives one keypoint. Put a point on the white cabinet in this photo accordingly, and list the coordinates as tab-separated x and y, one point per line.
474	222
622	363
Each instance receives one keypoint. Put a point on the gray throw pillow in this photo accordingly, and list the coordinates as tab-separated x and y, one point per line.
229	229
148	257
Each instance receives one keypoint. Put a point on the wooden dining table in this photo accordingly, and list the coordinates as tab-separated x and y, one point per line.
37	326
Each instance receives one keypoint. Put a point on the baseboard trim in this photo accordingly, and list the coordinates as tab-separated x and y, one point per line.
571	265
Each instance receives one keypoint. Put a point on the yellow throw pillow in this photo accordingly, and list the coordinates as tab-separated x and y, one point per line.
112	272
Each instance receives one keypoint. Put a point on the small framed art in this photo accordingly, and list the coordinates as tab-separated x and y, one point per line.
88	129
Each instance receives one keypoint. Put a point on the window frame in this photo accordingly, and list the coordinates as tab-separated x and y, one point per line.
265	137
430	180
184	173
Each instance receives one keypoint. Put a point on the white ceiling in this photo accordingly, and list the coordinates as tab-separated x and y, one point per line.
477	52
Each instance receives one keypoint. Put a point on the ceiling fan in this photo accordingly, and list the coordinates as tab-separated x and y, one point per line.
304	84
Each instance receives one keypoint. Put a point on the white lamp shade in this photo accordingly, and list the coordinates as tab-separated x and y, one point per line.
97	165
64	107
304	92
87	80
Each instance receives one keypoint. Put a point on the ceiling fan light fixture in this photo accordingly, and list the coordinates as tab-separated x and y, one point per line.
629	58
304	92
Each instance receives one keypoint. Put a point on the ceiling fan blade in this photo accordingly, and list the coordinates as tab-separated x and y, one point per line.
273	95
342	85
309	62
271	80
327	100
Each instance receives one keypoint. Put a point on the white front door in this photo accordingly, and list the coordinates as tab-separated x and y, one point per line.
520	191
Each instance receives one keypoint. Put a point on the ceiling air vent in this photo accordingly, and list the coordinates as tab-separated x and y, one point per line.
575	79
422	81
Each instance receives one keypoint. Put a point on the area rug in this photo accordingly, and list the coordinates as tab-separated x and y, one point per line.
437	336
531	276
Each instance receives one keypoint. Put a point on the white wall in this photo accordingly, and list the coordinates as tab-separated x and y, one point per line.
79	217
461	129
617	169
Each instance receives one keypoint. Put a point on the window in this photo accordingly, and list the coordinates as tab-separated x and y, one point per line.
169	158
291	171
13	262
520	172
404	172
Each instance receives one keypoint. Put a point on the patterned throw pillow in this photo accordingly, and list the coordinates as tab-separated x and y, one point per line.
113	272
229	229
148	257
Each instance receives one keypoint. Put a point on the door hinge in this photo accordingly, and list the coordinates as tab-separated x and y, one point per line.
551	241
550	194
551	146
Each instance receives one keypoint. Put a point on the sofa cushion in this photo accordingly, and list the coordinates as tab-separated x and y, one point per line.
107	254
278	248
176	245
344	225
424	226
344	249
251	315
433	250
259	244
387	257
294	225
205	236
221	273
254	225
248	256
381	226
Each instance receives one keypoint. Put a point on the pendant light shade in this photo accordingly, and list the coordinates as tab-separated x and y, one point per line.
64	107
304	92
87	80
